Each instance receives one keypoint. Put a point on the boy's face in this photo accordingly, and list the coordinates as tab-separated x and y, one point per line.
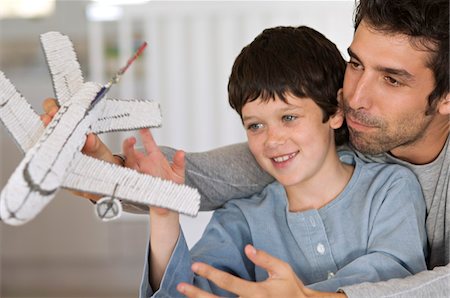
385	95
289	140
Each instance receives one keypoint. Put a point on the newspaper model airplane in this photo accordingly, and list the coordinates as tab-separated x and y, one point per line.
53	157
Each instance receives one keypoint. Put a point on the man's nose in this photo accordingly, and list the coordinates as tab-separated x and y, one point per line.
361	97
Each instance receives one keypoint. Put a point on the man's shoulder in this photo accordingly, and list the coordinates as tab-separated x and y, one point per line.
371	173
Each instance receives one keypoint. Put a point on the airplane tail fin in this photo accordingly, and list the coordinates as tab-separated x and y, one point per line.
63	64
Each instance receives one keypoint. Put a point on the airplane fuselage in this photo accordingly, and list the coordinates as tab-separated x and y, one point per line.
43	169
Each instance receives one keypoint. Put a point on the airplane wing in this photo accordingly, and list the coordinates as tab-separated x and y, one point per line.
120	115
63	64
23	123
88	174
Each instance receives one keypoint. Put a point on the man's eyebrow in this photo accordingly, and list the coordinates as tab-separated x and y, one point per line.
394	71
397	72
352	55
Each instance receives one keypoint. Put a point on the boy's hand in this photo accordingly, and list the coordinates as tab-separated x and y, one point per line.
282	280
153	162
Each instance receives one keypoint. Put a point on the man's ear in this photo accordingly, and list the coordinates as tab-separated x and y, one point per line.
337	119
444	105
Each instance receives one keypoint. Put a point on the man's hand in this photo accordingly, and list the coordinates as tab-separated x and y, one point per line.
282	281
93	147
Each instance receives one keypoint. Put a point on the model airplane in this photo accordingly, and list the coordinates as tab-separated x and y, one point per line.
53	157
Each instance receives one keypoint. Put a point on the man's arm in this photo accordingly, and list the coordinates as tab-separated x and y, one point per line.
222	174
432	283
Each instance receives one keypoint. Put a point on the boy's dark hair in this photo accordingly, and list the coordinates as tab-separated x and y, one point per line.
426	22
296	60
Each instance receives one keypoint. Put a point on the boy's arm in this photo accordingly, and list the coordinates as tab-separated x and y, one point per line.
164	224
221	246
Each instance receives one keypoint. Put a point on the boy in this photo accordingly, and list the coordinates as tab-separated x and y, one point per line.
336	220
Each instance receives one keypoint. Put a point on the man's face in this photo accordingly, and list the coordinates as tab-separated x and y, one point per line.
289	140
385	94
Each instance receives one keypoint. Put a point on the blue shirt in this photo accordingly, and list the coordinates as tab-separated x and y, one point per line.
374	230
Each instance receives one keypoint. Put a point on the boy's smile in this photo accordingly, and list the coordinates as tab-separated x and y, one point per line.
290	140
283	160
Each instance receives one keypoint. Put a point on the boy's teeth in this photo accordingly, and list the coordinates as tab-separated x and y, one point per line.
283	158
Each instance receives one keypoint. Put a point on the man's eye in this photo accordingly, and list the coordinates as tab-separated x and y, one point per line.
354	65
391	81
289	118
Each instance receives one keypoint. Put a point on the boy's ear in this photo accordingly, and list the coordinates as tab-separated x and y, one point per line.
339	96
337	119
444	105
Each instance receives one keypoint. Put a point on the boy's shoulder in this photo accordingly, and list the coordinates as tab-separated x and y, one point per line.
272	196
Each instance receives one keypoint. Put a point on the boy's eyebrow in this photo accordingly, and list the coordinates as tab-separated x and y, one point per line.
394	71
283	110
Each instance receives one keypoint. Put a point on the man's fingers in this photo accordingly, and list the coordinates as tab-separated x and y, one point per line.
224	280
191	291
274	266
45	119
49	104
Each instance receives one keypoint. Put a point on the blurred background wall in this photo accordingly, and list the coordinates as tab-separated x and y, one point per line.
66	251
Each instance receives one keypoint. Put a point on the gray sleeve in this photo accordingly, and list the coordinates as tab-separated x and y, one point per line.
432	283
220	175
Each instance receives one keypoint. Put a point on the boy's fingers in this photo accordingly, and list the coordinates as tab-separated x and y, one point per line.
191	291
224	280
178	165
128	150
274	266
148	141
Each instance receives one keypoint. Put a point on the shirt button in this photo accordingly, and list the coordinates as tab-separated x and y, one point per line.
330	275
320	248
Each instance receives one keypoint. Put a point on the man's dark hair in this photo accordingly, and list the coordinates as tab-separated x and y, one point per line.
295	60
426	22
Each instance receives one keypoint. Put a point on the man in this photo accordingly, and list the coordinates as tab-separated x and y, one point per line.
397	105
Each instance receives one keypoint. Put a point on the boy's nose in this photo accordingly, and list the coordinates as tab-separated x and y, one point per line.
275	137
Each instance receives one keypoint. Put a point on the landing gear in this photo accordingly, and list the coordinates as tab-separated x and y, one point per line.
108	208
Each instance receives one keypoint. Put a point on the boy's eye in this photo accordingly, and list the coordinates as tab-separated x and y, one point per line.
254	126
289	118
